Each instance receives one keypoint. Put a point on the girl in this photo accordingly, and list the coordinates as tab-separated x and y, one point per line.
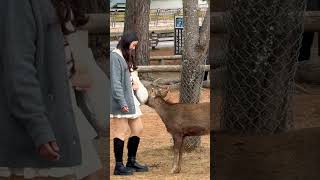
68	165
125	109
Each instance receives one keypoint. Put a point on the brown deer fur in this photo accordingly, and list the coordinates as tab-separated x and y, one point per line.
181	120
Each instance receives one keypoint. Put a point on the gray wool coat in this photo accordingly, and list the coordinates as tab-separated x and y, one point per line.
35	103
121	87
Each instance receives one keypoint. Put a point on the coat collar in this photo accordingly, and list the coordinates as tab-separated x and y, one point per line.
118	51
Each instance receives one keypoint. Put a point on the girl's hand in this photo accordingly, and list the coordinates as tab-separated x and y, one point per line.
135	86
125	109
49	151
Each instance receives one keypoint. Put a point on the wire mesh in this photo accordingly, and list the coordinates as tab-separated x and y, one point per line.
192	79
264	39
192	75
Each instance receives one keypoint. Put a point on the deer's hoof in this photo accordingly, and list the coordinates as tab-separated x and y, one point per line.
175	170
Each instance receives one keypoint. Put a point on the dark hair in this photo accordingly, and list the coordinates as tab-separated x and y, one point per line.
129	55
64	9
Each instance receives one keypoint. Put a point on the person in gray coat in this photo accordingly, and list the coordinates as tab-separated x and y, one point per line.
125	110
37	125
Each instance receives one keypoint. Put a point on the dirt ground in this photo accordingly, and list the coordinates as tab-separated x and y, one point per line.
155	149
285	156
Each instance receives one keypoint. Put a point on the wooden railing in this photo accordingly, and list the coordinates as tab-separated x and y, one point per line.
165	68
162	59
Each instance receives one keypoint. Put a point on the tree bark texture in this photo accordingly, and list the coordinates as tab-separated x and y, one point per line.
196	43
137	20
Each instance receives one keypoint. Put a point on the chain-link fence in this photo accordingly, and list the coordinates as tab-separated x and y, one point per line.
160	19
264	38
192	76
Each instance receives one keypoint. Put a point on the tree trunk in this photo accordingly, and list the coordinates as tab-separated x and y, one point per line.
130	13
137	20
262	54
194	54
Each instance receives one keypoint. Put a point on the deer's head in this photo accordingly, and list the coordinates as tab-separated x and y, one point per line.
156	94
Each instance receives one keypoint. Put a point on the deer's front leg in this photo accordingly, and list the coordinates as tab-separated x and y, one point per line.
180	154
176	148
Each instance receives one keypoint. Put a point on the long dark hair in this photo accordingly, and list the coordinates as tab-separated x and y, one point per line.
129	55
64	9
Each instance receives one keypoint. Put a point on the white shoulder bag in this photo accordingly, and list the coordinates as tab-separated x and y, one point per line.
142	92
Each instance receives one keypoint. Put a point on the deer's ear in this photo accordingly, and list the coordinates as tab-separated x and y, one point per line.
164	93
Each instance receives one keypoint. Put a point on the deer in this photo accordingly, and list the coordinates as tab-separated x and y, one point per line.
180	120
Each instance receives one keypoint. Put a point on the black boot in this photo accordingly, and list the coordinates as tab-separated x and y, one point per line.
120	169
133	144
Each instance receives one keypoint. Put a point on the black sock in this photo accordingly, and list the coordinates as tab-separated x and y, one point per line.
118	145
133	144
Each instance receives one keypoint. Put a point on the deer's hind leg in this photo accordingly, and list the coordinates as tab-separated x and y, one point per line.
177	156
